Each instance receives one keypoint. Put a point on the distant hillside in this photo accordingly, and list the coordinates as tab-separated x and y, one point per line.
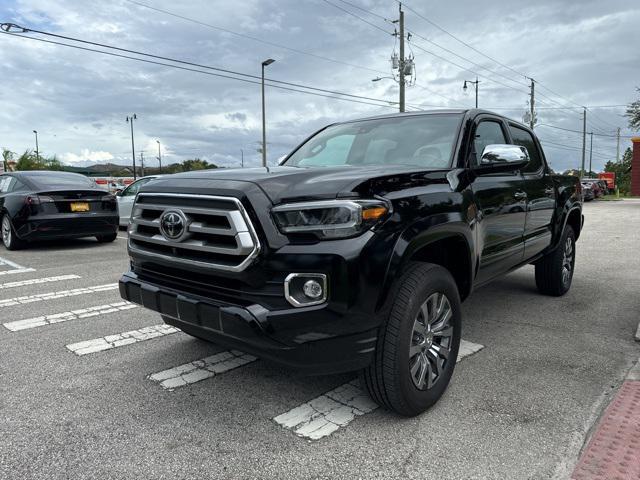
103	169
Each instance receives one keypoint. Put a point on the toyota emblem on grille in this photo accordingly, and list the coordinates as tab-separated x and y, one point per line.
173	224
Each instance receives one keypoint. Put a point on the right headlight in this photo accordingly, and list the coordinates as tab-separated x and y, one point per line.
329	219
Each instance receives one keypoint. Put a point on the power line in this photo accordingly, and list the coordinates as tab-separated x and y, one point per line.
274	83
184	62
357	16
580	131
419	47
255	39
461	41
442	29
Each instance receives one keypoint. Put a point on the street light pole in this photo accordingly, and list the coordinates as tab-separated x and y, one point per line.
590	151
464	87
159	156
267	62
133	148
37	149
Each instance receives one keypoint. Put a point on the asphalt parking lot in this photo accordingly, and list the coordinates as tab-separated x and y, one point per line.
80	400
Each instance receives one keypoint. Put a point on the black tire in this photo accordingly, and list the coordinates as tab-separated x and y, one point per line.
389	378
9	237
107	238
551	277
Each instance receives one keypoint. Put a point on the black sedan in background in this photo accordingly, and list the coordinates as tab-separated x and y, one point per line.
42	205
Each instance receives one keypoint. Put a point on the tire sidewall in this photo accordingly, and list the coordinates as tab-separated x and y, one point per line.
437	280
568	233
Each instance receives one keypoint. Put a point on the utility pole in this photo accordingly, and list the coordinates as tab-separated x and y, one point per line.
584	139
618	146
159	157
133	148
241	158
590	152
37	149
532	103
402	61
141	163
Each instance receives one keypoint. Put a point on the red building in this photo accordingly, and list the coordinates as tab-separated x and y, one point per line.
635	167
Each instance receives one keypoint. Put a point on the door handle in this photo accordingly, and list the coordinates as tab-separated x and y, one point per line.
520	195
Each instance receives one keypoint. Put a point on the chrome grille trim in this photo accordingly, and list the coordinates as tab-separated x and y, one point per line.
241	230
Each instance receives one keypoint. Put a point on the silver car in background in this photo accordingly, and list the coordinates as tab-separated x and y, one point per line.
127	197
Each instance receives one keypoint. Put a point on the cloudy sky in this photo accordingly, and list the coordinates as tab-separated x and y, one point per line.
581	53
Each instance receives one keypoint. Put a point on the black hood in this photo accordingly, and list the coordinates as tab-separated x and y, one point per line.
282	184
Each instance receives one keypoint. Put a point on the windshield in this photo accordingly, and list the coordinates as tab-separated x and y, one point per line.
424	141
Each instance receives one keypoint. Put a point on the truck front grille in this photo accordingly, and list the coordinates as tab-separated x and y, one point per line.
202	230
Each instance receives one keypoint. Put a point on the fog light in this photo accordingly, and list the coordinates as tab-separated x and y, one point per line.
305	289
312	289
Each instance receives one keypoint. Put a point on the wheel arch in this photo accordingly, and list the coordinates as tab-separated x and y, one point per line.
449	245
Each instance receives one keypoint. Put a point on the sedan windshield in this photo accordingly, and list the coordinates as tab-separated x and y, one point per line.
423	141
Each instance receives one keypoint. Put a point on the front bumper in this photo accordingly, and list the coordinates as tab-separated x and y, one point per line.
254	329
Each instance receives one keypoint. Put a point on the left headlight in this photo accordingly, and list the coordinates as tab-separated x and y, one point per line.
331	218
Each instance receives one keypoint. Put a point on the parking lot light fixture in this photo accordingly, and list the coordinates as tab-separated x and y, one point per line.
159	157
37	148
133	148
266	63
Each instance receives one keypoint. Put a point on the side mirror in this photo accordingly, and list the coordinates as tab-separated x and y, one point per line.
118	193
502	158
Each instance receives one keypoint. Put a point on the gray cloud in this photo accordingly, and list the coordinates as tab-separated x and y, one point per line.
78	101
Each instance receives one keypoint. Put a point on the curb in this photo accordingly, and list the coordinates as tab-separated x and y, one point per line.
613	451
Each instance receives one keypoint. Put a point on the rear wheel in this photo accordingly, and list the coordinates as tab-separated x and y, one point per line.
418	345
9	237
107	238
554	271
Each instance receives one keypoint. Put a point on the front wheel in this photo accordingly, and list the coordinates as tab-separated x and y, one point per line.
554	271
9	237
418	345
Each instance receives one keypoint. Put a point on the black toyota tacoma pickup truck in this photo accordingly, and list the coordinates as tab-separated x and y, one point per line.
356	252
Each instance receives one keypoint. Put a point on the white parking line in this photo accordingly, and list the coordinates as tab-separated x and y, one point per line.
35	281
14	272
121	339
201	369
15	267
60	294
65	316
9	263
337	408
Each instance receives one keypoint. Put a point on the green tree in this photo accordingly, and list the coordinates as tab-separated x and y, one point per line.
633	112
622	171
28	161
7	156
196	164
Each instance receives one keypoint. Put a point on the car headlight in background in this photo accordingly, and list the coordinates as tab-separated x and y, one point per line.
330	218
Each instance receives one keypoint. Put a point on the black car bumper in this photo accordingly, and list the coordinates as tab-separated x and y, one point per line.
253	328
67	225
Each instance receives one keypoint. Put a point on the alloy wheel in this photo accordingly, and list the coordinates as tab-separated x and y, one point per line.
431	341
6	230
567	261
